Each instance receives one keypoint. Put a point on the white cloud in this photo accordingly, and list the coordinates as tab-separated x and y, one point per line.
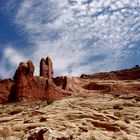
9	62
13	56
74	32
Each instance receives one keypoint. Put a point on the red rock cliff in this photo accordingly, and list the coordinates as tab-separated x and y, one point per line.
28	87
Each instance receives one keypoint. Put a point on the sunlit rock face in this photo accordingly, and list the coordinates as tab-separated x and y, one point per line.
46	68
28	87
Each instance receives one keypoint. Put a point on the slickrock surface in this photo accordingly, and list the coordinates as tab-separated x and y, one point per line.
86	117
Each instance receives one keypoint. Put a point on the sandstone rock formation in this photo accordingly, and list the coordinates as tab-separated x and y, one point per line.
128	74
5	89
46	68
23	79
27	87
66	83
61	82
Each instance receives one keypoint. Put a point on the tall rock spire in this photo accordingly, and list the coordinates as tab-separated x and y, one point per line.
23	79
46	68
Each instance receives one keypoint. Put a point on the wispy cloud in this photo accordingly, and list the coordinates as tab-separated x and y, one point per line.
81	36
13	56
10	60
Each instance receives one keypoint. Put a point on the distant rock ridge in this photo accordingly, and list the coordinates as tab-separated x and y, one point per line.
26	87
127	74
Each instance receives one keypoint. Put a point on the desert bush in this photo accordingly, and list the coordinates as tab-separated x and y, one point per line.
114	137
126	120
138	99
128	104
1	112
92	138
70	117
137	116
105	112
43	119
44	104
117	106
49	102
125	138
118	114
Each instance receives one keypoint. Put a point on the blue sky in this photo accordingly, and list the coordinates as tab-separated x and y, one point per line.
81	36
